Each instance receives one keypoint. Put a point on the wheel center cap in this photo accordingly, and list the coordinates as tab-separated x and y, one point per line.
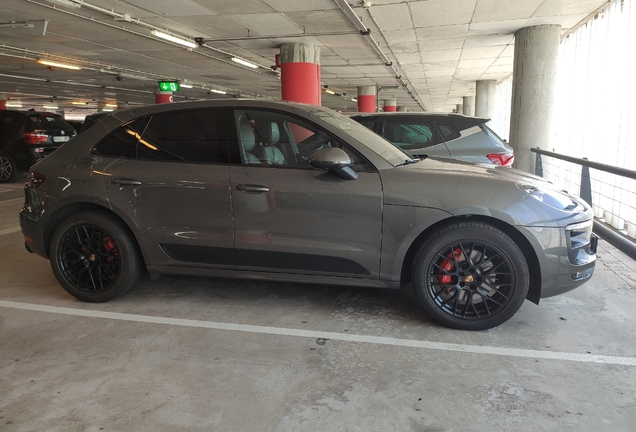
469	279
92	257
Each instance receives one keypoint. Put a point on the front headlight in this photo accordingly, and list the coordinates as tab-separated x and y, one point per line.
555	199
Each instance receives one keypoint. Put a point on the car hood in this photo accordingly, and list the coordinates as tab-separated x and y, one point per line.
464	188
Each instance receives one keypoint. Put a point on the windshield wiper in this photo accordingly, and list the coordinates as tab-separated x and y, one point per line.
407	162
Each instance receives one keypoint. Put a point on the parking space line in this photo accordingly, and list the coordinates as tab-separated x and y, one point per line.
9	230
313	334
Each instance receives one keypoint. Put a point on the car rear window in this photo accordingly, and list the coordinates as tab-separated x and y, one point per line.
46	122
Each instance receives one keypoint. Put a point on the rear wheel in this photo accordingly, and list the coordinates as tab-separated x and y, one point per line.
95	257
471	276
9	171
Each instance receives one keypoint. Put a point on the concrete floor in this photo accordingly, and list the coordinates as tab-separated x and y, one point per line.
196	354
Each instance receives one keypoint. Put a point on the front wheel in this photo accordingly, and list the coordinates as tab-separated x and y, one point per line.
95	257
470	276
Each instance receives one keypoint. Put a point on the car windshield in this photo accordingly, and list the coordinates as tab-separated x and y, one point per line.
375	142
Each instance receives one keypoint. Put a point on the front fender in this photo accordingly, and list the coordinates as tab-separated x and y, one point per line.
402	225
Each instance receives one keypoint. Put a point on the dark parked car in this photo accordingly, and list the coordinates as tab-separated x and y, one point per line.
444	135
27	137
77	124
291	192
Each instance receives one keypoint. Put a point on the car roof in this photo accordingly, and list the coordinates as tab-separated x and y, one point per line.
424	115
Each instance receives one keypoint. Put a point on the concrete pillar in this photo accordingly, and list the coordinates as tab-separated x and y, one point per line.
163	97
401	108
485	97
300	73
390	105
3	101
459	109
534	81
122	105
469	106
367	98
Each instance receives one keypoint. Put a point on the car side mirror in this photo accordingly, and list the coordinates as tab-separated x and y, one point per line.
333	159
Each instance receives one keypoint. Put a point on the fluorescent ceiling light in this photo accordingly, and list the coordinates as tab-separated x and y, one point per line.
50	107
218	91
185	85
107	110
244	62
133	76
79	103
111	105
14	105
185	42
330	91
67	3
60	65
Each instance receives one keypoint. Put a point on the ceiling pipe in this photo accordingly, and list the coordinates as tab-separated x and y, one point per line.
355	20
287	36
399	74
127	18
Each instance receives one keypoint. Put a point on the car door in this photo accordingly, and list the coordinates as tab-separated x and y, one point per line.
172	182
292	218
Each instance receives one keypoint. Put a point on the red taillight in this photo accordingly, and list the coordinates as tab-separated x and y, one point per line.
35	179
34	138
503	159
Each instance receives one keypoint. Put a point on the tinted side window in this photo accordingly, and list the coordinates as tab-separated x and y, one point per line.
186	136
448	131
409	135
10	125
122	142
366	122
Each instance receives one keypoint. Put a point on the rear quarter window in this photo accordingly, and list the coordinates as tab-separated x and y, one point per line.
448	131
122	142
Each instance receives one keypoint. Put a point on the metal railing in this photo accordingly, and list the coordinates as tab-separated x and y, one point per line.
610	190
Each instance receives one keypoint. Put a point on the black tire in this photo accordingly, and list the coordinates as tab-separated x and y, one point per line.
9	171
470	276
95	257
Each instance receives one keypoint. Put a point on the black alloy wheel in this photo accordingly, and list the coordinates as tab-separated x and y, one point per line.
471	276
9	171
94	257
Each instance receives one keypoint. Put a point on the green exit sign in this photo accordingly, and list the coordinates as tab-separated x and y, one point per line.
169	85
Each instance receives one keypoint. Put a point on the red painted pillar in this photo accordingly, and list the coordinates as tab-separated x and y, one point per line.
366	98
163	97
300	73
3	102
390	105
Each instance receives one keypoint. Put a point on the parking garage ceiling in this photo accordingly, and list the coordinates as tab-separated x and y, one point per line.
426	54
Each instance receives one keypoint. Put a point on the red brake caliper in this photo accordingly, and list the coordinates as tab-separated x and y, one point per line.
111	247
448	264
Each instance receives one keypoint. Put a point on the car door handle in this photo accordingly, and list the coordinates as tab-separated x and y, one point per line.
250	188
125	181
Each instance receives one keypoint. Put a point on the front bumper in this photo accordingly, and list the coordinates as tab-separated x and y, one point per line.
565	265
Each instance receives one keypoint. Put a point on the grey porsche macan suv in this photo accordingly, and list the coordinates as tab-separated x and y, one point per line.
291	192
